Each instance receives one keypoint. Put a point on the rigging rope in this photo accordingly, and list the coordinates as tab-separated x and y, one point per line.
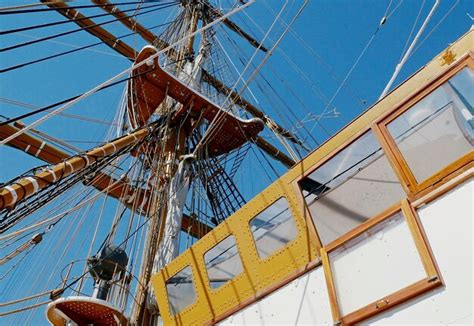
12	10
126	71
61	22
435	27
372	38
67	115
36	305
3	304
28	63
50	106
19	45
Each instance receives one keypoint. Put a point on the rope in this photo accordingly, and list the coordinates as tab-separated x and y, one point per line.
61	22
372	38
123	73
11	10
19	45
434	28
67	115
24	308
412	29
53	56
3	304
214	126
48	107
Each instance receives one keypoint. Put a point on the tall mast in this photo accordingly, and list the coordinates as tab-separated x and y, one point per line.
159	250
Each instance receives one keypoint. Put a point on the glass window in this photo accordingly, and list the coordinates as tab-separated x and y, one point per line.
181	291
351	187
438	129
379	262
223	262
273	228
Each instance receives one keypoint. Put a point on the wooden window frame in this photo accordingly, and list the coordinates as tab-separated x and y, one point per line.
301	199
432	280
417	189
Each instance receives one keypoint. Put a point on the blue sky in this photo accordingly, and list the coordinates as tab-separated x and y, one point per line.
337	31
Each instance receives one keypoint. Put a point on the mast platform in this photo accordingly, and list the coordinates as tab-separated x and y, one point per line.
84	311
153	84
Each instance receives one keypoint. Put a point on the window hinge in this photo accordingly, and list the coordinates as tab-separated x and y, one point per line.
381	303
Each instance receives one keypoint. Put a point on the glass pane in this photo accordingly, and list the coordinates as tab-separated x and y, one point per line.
377	263
223	262
181	292
439	129
351	187
273	228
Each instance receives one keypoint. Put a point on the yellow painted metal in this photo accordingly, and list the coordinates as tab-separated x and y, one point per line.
260	275
255	278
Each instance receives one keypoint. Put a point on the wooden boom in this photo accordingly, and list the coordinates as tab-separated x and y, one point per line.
25	187
133	198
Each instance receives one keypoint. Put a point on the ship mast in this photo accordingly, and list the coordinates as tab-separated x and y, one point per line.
162	235
170	166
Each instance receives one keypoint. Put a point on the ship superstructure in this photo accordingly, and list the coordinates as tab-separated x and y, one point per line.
373	226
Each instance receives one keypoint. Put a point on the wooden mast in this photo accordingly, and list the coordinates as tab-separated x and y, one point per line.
173	149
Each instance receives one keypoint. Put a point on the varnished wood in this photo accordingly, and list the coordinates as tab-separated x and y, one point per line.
335	310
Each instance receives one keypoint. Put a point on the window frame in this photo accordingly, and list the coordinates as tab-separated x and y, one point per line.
415	188
432	280
206	270
283	246
376	132
193	282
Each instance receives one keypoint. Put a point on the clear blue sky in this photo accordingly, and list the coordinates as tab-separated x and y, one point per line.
337	31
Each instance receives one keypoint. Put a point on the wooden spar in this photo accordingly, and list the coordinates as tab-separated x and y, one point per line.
274	152
234	27
133	25
249	107
32	145
102	181
211	80
25	187
90	27
156	41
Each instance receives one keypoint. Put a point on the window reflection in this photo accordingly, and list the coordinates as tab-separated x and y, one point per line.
223	262
438	129
273	228
181	291
351	187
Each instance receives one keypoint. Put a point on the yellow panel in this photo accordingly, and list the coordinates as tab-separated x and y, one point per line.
254	279
260	275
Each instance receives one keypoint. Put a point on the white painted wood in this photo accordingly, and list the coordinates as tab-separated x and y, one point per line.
448	222
449	228
302	301
381	261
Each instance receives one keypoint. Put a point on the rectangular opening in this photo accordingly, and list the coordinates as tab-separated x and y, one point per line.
351	187
223	262
273	228
439	129
377	263
181	290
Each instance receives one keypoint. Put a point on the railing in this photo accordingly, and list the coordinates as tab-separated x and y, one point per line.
121	289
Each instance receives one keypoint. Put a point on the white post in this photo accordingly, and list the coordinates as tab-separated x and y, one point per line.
399	66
